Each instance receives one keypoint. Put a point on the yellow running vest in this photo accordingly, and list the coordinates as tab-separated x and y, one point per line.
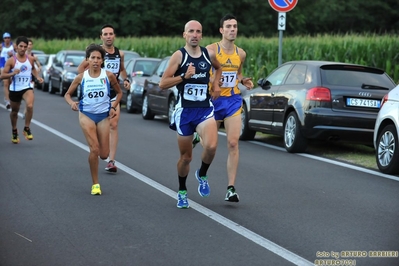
230	64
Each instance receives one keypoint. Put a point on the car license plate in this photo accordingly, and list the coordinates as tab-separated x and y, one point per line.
363	102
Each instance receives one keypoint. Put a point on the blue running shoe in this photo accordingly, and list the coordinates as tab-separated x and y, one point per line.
203	188
182	201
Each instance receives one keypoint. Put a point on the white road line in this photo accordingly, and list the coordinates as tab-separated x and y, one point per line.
261	241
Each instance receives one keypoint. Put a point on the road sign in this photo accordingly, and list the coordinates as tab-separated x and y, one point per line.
281	21
283	5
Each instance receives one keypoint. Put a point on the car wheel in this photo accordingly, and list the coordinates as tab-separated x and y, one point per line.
62	91
171	108
145	110
50	87
45	87
387	152
129	104
293	139
246	133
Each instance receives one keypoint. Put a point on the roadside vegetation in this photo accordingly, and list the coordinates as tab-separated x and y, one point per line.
381	51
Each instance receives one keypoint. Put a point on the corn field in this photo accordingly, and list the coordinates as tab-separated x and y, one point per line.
381	51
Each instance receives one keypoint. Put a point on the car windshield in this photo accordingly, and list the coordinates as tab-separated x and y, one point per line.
147	67
74	60
43	59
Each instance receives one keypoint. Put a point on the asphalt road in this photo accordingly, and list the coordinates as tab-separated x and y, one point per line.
294	210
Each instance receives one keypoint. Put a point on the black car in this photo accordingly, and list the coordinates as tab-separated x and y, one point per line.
137	69
303	100
64	70
155	100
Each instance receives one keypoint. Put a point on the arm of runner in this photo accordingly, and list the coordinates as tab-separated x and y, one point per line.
126	81
115	85
72	88
37	61
83	66
217	74
35	72
9	65
247	82
168	79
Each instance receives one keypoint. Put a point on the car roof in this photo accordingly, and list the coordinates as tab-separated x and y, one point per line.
144	59
38	52
73	51
320	63
127	51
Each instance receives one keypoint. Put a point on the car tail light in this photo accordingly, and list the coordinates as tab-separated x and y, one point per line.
319	94
384	100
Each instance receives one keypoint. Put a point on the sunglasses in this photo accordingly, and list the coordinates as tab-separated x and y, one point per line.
7	38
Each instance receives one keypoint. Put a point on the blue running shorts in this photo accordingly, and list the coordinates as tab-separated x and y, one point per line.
2	62
97	118
227	106
186	120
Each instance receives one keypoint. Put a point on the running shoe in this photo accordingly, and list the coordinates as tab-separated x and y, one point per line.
196	139
111	167
182	201
203	188
232	195
95	189
15	138
28	135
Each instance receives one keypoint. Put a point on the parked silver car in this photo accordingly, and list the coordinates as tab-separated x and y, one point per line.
129	55
386	142
45	71
42	58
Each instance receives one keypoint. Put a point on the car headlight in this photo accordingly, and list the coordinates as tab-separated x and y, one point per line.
69	75
136	88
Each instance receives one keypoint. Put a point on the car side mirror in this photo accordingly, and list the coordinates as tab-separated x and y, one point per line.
264	83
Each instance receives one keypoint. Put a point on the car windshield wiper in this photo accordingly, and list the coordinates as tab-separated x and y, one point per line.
370	86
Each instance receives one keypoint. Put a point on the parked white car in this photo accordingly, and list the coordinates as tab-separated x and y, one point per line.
386	142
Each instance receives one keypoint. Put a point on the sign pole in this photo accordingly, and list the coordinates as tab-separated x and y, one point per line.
281	6
281	28
280	47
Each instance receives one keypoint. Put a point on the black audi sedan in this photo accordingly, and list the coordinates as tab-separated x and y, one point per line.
302	100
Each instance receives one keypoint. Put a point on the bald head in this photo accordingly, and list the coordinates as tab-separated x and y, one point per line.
192	24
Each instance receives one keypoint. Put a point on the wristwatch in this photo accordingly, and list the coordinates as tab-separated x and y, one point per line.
182	75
